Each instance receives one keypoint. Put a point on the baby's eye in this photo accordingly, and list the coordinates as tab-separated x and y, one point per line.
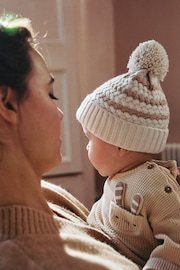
52	96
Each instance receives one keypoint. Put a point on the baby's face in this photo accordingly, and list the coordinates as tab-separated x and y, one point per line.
103	156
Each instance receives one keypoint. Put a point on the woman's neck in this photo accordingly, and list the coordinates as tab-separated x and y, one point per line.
19	184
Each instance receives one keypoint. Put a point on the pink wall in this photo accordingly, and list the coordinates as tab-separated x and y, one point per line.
136	21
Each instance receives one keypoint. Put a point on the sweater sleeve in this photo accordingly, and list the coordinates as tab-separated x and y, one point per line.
166	255
166	229
12	257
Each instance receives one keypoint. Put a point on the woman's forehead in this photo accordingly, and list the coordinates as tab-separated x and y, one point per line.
39	67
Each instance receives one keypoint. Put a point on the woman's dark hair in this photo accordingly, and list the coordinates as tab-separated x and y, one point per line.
16	40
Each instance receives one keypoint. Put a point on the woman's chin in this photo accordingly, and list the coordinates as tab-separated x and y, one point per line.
53	165
58	160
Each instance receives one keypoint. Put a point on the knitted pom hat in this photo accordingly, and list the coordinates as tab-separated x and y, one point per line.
131	110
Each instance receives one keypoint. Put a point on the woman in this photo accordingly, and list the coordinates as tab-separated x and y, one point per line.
35	233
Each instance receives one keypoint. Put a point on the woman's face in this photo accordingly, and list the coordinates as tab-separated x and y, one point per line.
40	119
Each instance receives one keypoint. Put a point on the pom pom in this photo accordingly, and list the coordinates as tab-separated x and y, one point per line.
150	55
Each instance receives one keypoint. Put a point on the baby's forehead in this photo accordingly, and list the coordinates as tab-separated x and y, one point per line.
86	131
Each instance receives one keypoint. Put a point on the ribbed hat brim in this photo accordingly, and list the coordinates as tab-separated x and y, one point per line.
116	131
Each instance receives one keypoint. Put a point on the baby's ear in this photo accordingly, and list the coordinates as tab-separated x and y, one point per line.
8	104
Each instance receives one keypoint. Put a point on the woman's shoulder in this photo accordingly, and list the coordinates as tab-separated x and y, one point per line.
62	198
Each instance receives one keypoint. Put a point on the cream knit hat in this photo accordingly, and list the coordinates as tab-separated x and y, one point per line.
131	110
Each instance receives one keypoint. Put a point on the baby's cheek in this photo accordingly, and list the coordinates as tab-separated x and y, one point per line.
95	159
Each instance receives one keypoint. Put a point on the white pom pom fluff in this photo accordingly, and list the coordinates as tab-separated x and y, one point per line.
150	55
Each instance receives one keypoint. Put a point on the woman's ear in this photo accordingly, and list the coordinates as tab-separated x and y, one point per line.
8	104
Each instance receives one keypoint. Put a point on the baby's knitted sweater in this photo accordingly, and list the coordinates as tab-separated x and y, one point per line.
33	240
140	211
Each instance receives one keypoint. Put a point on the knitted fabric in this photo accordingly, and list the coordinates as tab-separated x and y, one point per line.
33	240
140	211
131	110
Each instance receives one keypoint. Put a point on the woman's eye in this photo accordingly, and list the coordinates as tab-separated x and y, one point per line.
52	96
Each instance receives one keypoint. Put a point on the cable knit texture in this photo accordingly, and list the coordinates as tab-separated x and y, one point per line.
140	211
131	110
33	240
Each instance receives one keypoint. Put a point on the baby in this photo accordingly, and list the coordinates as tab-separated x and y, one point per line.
126	122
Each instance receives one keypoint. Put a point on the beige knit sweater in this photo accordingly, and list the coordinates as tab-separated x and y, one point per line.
140	211
33	240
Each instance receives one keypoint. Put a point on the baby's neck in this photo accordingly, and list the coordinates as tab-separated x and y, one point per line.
135	159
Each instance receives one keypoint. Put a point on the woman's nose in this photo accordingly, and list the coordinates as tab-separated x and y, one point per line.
61	113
